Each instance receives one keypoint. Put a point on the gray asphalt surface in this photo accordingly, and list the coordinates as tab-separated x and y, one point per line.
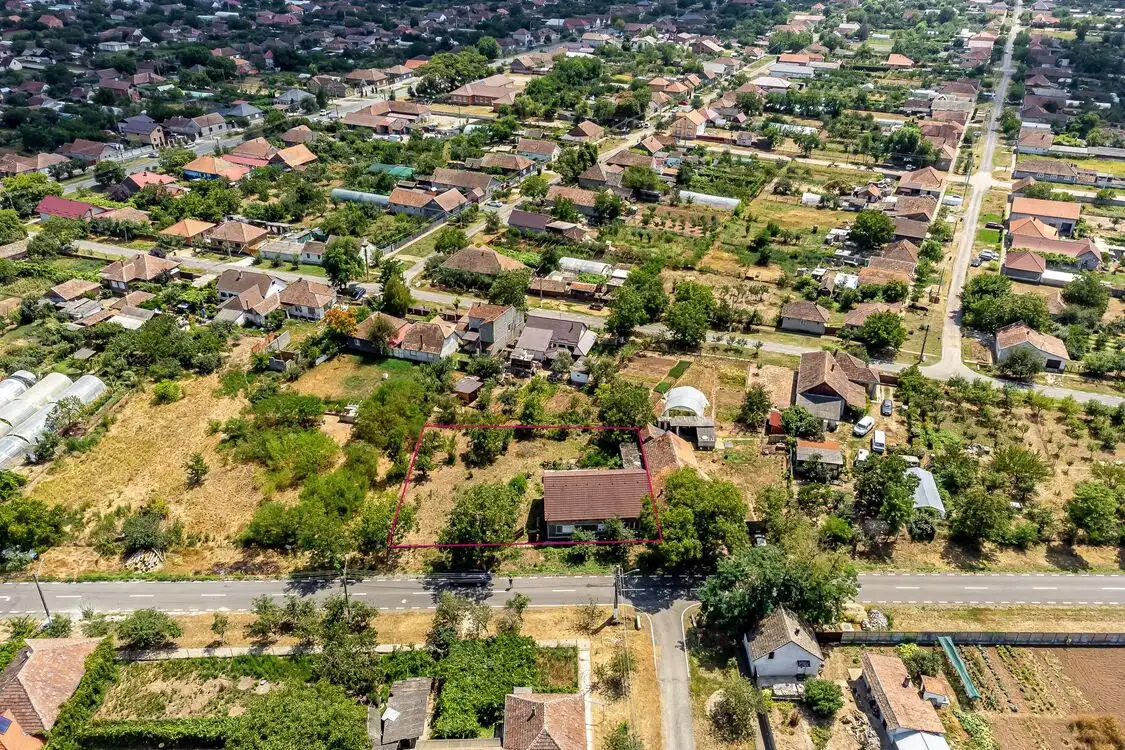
650	593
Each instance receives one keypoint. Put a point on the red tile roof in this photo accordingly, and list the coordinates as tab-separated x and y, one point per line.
593	494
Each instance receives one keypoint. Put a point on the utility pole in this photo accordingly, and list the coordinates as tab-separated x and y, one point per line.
42	598
347	607
617	586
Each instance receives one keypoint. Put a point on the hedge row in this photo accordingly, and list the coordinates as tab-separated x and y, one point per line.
162	733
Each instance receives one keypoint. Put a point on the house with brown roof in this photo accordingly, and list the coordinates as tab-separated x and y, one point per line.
805	317
908	720
212	168
856	317
825	387
298	134
188	230
543	721
880	271
511	166
41	677
297	157
1050	349
587	498
119	274
584	200
234	281
924	181
308	300
541	151
782	648
490	328
425	341
426	204
585	132
477	184
1062	215
14	737
237	237
375	334
1071	255
71	290
1023	265
480	264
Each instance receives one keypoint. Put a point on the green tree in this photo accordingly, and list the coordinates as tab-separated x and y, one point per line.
1094	511
172	160
700	520
397	299
196	469
756	404
483	514
608	206
884	489
980	516
1087	291
220	624
1020	471
109	173
510	288
489	47
798	422
342	261
627	311
319	716
749	584
872	229
11	228
534	187
148	629
687	317
824	697
23	192
735	715
882	331
1023	363
449	240
623	404
564	209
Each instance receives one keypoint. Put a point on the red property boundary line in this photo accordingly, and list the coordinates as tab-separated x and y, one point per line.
598	428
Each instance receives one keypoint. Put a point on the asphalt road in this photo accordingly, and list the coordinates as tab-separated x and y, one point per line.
650	593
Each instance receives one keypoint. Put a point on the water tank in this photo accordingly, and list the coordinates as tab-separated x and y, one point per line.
12	452
15	412
13	386
86	389
47	389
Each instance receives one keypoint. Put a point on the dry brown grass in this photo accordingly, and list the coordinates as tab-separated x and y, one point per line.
1010	618
140	460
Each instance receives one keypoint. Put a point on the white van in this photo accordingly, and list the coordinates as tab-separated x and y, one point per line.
879	441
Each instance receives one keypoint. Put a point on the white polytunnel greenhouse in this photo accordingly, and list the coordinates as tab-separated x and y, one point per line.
32	418
15	385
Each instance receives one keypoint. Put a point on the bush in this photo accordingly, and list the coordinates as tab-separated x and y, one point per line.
824	697
478	674
920	661
735	714
148	629
167	392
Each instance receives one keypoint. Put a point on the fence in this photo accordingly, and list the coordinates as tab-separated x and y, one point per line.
969	638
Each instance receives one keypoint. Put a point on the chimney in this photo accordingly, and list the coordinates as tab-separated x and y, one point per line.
796	631
906	681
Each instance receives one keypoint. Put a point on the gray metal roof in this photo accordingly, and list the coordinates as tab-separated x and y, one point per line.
926	494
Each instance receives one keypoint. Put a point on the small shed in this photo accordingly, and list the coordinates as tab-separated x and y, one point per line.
782	649
403	720
468	388
926	494
936	690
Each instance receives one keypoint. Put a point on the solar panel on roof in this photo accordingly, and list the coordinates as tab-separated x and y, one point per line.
5	723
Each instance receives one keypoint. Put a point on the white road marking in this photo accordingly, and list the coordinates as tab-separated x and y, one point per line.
65	596
563	591
1113	588
140	596
976	588
212	595
907	587
1043	588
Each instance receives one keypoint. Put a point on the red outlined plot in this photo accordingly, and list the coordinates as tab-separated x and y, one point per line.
561	543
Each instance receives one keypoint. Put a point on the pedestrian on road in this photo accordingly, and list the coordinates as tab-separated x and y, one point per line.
509	583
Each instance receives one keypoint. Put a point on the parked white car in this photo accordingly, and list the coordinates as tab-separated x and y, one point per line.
863	426
861	455
879	442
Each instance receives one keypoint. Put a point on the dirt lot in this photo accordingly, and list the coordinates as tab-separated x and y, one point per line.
1004	619
641	708
1041	699
140	460
351	377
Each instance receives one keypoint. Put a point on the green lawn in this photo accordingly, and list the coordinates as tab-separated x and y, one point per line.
988	236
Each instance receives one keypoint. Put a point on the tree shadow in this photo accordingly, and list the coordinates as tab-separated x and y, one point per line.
966	557
1066	557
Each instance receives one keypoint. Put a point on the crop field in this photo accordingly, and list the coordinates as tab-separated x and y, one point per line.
1047	698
